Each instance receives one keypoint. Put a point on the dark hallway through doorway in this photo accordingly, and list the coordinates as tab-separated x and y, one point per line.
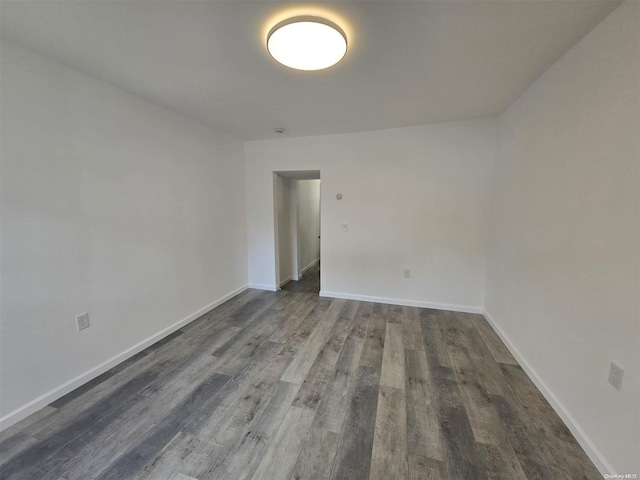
309	283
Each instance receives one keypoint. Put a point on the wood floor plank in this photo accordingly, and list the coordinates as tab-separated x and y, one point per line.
389	453
394	314
36	456
451	329
252	308
131	463
152	366
167	464
202	462
376	333
488	370
319	375
422	468
240	410
462	455
501	464
353	458
34	475
294	317
314	385
361	320
523	440
499	351
171	352
291	325
243	460
437	355
283	299
282	454
22	427
484	421
132	380
334	403
317	456
303	331
383	391
113	371
491	375
301	364
423	431
238	354
211	334
221	431
393	358
222	312
309	283
534	457
93	450
182	476
550	428
551	425
208	422
246	340
13	446
412	330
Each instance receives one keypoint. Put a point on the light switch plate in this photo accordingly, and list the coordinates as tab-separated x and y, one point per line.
615	375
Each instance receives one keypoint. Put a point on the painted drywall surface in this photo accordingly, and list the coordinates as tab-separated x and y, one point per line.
309	222
110	206
414	198
285	250
563	276
293	228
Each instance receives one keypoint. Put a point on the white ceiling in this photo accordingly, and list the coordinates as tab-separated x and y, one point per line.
301	174
409	62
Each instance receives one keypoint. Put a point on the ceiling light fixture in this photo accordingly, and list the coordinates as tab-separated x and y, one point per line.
307	43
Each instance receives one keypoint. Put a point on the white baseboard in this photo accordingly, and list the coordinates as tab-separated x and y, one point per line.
585	442
58	392
312	264
401	301
286	280
264	286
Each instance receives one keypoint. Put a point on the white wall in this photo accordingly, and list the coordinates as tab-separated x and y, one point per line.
111	206
285	250
563	277
308	222
415	197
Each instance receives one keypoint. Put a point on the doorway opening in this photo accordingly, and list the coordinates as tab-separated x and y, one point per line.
297	221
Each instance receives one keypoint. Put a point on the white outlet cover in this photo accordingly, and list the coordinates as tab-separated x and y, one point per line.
82	321
616	373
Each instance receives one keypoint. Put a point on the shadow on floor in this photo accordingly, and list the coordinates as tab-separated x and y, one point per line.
309	283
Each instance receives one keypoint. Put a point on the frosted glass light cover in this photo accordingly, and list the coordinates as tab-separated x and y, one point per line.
307	43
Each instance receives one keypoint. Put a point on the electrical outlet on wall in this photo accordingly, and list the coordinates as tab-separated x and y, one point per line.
407	273
82	321
615	375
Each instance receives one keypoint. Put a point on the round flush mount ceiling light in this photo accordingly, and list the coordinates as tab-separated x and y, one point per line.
307	43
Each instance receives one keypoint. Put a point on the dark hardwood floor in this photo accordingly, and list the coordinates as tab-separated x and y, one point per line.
289	385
